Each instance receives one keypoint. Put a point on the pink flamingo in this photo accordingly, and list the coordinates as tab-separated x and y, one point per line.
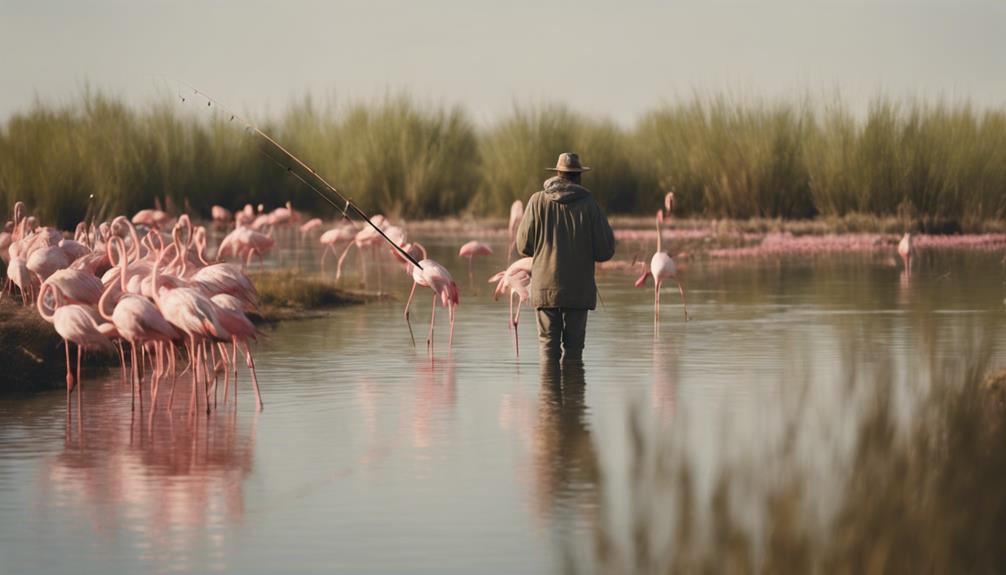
436	277
516	215
669	203
77	286
333	237
661	268
19	275
220	216
245	241
231	312
152	218
906	250
46	260
470	250
139	322
365	238
309	226
194	314
517	280
78	324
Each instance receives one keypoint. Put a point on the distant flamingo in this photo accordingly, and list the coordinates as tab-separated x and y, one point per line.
517	280
309	226
436	277
245	241
19	275
906	250
220	216
152	218
516	215
661	268
333	237
367	237
470	250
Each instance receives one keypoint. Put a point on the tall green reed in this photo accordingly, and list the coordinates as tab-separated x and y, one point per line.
937	165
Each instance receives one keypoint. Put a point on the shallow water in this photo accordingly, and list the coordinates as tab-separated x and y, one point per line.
371	457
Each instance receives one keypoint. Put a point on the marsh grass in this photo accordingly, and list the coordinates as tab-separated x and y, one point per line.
936	166
289	294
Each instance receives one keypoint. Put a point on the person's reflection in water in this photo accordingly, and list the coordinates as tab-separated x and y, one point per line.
566	468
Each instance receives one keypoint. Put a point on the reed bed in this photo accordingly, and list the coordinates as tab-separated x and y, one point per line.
936	166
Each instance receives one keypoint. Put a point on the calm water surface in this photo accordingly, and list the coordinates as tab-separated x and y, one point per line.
371	458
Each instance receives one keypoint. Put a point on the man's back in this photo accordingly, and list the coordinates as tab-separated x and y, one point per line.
565	232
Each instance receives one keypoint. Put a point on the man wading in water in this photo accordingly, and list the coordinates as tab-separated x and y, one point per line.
565	232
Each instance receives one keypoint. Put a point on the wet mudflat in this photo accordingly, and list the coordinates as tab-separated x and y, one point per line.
372	457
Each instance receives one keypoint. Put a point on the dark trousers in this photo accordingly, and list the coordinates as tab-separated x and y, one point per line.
561	332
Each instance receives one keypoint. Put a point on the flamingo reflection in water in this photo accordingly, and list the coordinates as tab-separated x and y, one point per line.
178	493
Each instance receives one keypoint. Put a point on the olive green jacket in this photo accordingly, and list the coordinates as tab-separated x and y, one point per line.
565	232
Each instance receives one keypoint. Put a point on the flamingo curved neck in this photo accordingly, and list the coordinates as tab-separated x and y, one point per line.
41	305
659	234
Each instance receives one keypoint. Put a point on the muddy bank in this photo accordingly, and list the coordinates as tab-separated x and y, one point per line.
288	294
32	356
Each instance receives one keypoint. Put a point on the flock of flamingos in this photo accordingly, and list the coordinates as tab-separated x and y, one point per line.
147	284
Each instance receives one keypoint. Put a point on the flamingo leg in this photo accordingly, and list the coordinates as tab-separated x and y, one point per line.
510	313
234	362
433	318
471	277
324	253
514	319
251	367
451	309
69	371
133	358
174	374
207	367
656	299
194	365
342	258
213	362
80	352
380	272
683	304
227	370
412	292
363	266
122	360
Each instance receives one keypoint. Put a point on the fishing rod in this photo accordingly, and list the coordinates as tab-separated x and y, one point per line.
270	142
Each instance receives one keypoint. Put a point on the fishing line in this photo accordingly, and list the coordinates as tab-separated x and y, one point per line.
270	142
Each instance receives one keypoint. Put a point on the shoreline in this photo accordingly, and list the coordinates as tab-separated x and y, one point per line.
33	354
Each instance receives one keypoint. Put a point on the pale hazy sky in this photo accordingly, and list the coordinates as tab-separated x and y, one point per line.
616	59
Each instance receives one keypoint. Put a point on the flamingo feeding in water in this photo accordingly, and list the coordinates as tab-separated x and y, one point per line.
517	280
436	277
661	268
470	250
78	324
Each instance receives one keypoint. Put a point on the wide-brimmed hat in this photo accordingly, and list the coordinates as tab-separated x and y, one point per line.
568	162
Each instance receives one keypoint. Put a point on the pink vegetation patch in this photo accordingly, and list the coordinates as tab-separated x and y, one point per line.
776	244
